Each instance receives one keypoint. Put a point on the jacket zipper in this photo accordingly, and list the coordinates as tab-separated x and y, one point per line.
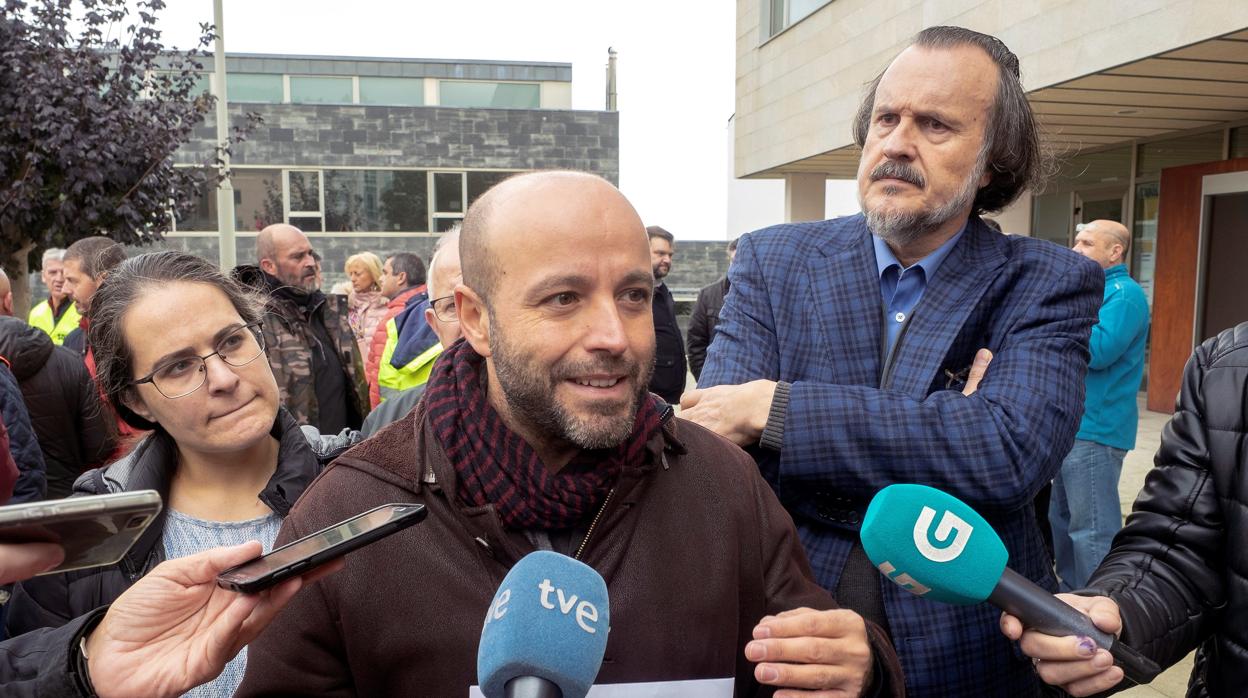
592	525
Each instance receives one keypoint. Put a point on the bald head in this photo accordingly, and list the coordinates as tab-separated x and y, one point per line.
6	294
1103	241
283	251
505	214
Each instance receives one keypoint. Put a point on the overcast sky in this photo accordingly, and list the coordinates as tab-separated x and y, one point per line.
676	71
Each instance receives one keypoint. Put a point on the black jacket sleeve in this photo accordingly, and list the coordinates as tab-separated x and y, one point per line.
32	482
44	662
699	335
95	424
1167	568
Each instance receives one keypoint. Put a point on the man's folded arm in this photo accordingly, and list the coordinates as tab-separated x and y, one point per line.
1012	433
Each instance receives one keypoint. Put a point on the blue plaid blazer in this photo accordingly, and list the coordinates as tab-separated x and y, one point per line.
804	307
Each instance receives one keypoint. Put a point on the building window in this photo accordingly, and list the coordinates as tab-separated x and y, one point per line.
344	200
449	194
305	200
1187	150
257	202
1144	236
254	87
398	92
1239	142
781	14
376	200
320	90
493	95
480	182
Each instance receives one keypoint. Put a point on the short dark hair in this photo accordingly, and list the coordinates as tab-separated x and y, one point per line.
96	255
1011	152
655	231
732	244
410	264
126	284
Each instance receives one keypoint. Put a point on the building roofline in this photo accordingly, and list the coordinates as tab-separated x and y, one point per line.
394	59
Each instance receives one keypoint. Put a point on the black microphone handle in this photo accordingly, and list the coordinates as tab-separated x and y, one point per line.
531	687
1040	610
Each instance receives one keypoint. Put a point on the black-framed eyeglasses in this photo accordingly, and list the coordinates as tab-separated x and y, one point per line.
444	308
184	375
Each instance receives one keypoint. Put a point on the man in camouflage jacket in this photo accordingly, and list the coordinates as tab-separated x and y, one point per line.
307	337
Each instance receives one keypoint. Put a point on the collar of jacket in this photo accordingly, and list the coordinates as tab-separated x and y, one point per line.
151	464
27	348
404	298
306	301
379	458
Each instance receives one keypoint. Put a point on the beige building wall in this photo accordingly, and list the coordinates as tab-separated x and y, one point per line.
797	93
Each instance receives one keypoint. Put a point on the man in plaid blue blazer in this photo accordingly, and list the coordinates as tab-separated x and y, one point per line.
844	346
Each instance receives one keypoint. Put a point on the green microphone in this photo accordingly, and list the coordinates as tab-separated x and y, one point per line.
935	546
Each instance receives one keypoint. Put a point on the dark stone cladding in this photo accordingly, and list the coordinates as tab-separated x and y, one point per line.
306	135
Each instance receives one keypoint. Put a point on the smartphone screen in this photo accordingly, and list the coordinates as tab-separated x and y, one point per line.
321	547
93	530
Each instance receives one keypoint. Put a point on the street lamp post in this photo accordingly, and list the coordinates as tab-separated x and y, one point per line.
225	190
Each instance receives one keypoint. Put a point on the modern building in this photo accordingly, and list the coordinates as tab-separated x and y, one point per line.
1145	105
385	154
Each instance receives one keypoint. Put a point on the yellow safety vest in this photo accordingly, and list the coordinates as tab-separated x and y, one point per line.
41	317
391	380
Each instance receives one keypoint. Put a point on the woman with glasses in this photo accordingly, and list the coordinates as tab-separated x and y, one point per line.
179	352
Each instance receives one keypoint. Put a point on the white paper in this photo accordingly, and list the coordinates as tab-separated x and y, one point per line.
702	688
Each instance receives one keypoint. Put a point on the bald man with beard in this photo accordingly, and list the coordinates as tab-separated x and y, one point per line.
546	400
307	335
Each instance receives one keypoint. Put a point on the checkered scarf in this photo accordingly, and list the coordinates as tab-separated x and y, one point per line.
495	465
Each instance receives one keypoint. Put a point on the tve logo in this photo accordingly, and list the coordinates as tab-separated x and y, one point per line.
949	523
584	612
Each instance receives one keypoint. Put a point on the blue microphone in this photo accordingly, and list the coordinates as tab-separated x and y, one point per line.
935	546
546	631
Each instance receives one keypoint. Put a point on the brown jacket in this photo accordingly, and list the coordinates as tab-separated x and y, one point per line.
694	547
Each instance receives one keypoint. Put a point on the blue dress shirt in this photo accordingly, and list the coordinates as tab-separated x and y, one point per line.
901	289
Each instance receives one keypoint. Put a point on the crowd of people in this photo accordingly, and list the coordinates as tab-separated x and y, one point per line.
533	401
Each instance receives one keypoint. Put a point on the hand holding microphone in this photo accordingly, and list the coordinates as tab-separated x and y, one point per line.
937	547
1075	664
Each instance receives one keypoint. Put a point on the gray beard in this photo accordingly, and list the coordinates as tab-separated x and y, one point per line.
902	229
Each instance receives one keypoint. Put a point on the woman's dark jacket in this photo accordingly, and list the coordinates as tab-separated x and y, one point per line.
54	600
1179	568
31	485
72	428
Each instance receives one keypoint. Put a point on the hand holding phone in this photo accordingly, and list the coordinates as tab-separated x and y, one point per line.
90	531
318	548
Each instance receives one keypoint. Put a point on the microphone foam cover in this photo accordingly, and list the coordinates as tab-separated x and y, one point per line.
932	544
549	619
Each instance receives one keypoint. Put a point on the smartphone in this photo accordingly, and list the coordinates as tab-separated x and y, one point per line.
94	530
327	544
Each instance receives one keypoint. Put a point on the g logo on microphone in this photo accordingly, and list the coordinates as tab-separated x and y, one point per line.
949	523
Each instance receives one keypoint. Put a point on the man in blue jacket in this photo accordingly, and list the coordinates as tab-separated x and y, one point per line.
844	346
1085	512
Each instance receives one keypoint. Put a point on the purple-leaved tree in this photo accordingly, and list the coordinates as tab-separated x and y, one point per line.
93	107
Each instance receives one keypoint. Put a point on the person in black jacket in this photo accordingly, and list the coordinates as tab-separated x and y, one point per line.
179	353
668	381
1176	578
73	430
32	482
706	316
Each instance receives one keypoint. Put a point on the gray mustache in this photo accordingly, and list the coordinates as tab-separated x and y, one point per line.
898	170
